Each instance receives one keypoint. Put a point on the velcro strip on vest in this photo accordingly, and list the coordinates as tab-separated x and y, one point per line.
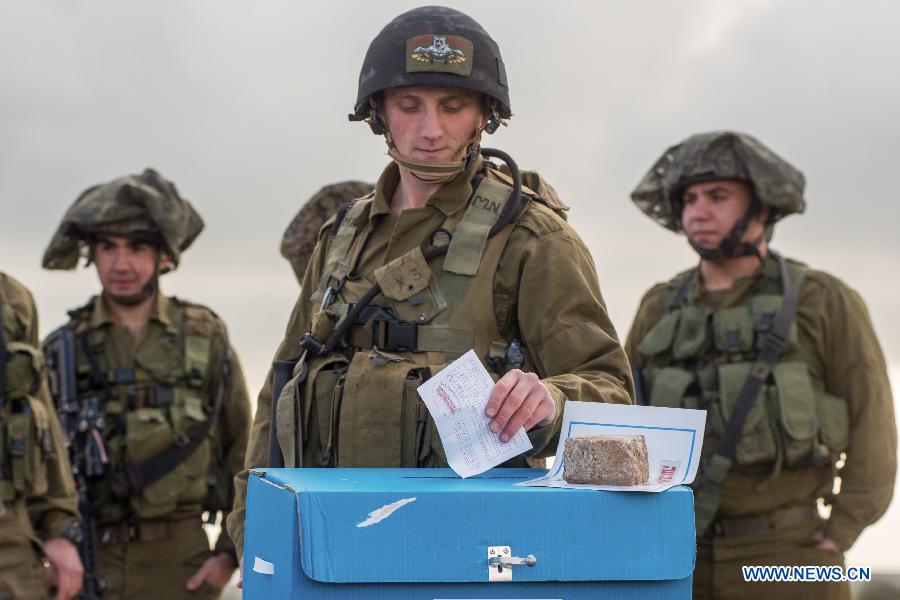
470	236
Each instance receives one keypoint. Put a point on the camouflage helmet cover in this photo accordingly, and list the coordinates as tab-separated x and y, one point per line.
433	46
300	237
719	155
145	205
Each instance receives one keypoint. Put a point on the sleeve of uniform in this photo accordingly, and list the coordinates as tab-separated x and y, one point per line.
235	429
855	370
650	310
53	512
258	446
562	318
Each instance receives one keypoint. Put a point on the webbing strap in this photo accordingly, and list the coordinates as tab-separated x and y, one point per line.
470	236
342	252
710	485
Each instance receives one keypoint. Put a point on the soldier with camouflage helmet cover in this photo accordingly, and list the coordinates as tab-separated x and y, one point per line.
450	253
784	359
164	391
37	499
300	237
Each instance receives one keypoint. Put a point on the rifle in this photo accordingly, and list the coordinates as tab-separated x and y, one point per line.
82	426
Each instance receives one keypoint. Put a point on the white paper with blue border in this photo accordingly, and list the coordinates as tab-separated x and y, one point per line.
674	438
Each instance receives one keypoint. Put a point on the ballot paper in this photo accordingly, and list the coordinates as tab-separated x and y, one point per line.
456	398
674	438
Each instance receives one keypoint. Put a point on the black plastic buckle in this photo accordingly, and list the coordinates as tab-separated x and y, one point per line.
395	336
311	345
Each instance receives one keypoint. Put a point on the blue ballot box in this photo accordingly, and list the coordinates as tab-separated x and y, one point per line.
426	533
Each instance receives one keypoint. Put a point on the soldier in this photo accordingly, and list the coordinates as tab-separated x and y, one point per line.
784	359
38	505
300	237
170	408
447	254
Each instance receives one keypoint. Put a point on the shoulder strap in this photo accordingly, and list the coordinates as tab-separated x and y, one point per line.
470	236
343	252
195	325
709	490
682	284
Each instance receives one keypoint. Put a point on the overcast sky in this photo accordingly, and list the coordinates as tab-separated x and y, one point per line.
244	106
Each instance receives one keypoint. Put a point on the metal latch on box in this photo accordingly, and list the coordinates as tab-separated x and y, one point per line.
500	563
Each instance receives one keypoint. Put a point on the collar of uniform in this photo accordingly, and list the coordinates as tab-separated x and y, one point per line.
101	316
741	285
449	198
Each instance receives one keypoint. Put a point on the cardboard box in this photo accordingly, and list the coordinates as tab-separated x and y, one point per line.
425	533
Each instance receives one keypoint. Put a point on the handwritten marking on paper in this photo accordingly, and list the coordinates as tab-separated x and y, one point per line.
380	514
448	401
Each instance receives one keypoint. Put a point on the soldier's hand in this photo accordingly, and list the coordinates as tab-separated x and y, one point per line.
828	544
519	400
66	572
215	571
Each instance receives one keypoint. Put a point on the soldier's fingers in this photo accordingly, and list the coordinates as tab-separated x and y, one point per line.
521	416
68	587
197	579
545	412
525	384
500	391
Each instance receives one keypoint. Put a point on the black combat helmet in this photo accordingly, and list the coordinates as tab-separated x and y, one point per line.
432	46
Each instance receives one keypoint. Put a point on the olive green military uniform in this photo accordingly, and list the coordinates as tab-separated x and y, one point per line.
37	496
834	335
825	398
300	237
176	391
156	388
535	282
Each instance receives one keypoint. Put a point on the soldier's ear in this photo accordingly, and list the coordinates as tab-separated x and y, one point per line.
166	263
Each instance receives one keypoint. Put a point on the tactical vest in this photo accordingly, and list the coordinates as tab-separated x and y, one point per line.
150	408
359	407
695	357
25	441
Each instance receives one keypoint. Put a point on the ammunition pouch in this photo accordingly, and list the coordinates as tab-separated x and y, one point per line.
699	358
25	441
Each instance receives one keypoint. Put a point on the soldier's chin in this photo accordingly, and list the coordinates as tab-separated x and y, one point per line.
130	299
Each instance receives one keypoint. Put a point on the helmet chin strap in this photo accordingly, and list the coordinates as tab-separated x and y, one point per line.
432	172
732	246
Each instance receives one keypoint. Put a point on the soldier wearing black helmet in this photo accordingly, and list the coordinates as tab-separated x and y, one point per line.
784	359
448	254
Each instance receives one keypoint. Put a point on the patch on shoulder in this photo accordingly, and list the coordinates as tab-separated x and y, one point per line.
439	53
